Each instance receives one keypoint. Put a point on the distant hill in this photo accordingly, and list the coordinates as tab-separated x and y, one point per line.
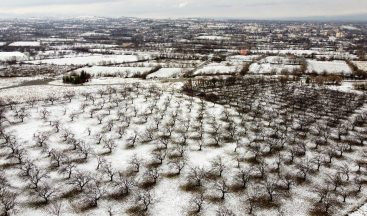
341	18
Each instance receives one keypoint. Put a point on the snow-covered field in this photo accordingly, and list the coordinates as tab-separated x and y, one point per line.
319	54
127	72
167	195
241	58
25	44
285	52
219	68
102	133
272	64
7	82
89	60
212	37
168	73
8	56
361	65
329	67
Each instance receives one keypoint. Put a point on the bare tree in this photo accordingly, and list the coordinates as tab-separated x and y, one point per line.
109	144
151	175
67	168
55	208
45	191
335	180
56	125
144	200
196	203
57	157
84	149
222	187
8	201
41	138
196	175
131	141
124	185
136	162
304	168
80	180
218	166
27	168
159	156
178	164
93	193
270	187
35	177
108	171
224	211
44	114
244	176
251	198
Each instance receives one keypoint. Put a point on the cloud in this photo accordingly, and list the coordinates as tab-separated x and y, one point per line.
183	4
252	9
31	3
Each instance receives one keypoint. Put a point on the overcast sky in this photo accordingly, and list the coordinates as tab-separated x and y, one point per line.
255	9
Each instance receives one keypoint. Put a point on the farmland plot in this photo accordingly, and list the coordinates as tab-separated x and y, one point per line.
89	60
328	67
262	147
361	65
169	73
274	65
219	69
103	71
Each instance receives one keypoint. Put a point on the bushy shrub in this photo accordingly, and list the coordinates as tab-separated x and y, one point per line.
74	78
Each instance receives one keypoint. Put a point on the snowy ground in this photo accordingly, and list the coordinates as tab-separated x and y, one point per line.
25	44
89	60
7	56
212	37
136	108
362	65
7	82
168	199
317	52
219	68
330	67
241	58
168	73
272	64
100	71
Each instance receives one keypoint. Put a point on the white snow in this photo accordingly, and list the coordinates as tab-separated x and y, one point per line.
361	211
242	58
26	44
89	34
319	53
219	68
212	37
330	67
362	65
289	51
14	81
115	71
89	60
273	64
7	56
349	27
168	73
